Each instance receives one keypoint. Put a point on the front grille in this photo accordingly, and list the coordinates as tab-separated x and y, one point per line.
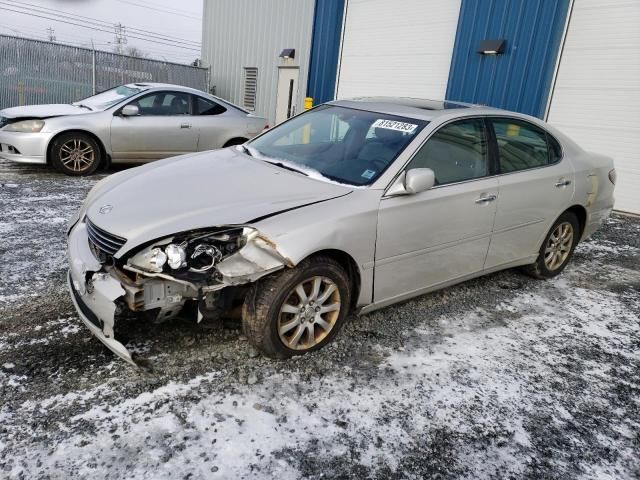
104	242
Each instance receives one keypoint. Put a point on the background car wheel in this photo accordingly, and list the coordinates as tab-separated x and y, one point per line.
557	248
298	310
75	154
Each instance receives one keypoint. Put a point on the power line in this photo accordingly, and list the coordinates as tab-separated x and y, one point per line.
100	23
163	10
157	54
100	30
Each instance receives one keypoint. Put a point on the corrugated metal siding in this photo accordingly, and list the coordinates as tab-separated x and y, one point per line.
596	100
325	48
520	78
249	33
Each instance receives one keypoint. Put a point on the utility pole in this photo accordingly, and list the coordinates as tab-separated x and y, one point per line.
52	34
120	37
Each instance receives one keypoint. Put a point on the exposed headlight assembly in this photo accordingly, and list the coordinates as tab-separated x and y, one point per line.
196	252
25	126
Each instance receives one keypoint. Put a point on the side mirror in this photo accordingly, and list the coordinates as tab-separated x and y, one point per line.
418	180
130	111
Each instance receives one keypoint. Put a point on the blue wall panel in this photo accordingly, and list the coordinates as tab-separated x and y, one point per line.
520	78
325	48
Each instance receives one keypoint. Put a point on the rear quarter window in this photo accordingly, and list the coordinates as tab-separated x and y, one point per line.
207	107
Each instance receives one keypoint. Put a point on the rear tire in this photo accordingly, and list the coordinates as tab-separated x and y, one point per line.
75	154
298	310
557	247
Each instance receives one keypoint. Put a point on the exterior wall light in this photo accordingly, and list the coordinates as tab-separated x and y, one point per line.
492	47
288	53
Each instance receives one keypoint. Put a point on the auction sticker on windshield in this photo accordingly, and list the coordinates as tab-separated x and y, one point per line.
393	125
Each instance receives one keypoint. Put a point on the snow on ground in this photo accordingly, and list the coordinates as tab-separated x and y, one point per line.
500	377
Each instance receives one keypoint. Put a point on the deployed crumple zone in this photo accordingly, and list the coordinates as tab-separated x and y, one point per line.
150	289
259	257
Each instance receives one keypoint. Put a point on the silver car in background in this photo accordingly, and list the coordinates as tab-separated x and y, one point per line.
353	205
133	123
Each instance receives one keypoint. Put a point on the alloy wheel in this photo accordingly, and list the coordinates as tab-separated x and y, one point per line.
309	313
558	246
77	155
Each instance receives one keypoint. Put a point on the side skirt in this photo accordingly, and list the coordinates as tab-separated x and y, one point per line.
416	293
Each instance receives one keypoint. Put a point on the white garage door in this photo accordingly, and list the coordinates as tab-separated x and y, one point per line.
596	100
397	48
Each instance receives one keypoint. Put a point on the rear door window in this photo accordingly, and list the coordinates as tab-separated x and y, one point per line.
521	145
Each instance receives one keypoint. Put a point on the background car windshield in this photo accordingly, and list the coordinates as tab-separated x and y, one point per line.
342	144
108	98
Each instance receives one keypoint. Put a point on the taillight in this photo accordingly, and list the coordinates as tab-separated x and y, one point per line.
266	127
613	176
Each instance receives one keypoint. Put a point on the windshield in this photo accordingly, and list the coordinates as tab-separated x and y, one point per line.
108	98
338	143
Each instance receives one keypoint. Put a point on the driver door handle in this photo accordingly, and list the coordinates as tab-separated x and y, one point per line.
563	183
185	125
484	198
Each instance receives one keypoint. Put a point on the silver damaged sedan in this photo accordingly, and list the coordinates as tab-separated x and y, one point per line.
133	123
352	206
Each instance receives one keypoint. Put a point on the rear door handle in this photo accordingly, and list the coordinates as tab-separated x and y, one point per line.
484	198
563	183
185	125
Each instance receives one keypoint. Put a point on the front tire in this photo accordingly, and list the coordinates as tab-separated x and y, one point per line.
75	154
557	247
298	310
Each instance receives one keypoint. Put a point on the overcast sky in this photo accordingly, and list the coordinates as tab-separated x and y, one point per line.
182	21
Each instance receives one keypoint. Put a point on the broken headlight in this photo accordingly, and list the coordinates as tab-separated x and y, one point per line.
196	252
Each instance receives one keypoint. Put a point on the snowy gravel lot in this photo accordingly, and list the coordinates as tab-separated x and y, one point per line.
501	377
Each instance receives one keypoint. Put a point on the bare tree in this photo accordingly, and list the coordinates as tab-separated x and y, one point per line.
135	52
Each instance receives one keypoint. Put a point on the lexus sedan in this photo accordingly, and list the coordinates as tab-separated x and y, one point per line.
351	206
133	123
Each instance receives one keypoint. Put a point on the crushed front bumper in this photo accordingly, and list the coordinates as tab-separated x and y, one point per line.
93	293
101	301
96	288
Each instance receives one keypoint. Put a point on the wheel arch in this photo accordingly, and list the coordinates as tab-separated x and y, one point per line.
104	156
350	266
580	212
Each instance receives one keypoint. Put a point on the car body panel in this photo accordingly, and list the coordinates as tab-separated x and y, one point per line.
43	111
132	139
528	203
144	138
396	246
418	233
230	188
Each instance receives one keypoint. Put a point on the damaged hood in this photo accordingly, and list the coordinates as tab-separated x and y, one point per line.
209	189
42	111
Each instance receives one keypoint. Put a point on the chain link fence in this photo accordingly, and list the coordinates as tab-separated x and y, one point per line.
36	72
